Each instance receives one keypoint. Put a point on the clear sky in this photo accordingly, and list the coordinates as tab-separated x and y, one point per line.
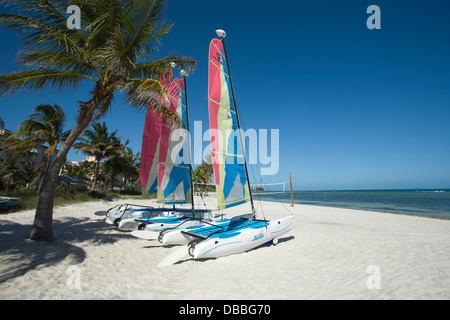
355	108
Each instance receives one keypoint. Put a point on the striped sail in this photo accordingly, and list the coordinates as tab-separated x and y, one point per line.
151	146
228	163
174	181
150	153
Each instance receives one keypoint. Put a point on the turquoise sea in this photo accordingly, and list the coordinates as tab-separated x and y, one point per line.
431	202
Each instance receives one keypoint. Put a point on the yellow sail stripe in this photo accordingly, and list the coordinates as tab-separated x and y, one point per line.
221	105
220	69
234	201
227	154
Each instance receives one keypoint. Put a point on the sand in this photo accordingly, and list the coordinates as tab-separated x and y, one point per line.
330	254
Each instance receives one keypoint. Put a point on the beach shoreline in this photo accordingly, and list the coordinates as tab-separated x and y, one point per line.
332	253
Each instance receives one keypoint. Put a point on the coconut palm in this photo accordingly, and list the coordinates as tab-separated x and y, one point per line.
17	166
44	126
124	166
115	50
84	170
100	143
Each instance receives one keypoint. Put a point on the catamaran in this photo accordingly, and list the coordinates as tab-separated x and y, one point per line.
170	171
167	177
242	233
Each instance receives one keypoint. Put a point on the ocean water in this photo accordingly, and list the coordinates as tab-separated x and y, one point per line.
431	203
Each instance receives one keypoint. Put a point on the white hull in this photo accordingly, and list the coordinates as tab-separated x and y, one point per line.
180	237
129	222
243	236
158	227
244	240
115	215
152	231
125	217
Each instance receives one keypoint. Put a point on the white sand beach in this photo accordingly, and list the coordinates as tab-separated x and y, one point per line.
330	254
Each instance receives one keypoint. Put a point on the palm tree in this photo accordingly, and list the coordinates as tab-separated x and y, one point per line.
131	167
45	126
2	124
99	143
11	172
17	166
124	165
115	50
204	172
84	170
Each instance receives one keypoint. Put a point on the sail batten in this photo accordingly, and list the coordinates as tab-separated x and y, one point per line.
221	105
229	172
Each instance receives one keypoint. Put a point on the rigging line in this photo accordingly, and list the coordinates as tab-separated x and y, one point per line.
252	169
193	174
282	203
210	200
261	179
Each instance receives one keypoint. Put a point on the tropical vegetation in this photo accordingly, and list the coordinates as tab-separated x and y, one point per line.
115	50
23	166
203	174
45	126
100	143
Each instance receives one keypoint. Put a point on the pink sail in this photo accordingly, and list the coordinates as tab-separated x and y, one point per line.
151	146
232	186
174	184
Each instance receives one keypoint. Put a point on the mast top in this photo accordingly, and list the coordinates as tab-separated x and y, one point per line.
221	33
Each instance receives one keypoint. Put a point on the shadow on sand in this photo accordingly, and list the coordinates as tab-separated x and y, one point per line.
18	255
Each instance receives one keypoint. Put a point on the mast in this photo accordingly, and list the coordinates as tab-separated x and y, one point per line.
292	194
184	73
222	34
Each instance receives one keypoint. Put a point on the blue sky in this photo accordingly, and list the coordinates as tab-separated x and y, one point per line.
356	108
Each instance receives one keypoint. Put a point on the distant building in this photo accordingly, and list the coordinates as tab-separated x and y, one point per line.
77	163
38	151
39	154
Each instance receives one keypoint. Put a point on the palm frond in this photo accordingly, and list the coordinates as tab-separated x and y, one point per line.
148	93
55	61
14	144
141	93
34	80
155	68
47	37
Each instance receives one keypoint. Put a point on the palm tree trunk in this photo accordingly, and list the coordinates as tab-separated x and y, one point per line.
46	165
97	167
43	221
